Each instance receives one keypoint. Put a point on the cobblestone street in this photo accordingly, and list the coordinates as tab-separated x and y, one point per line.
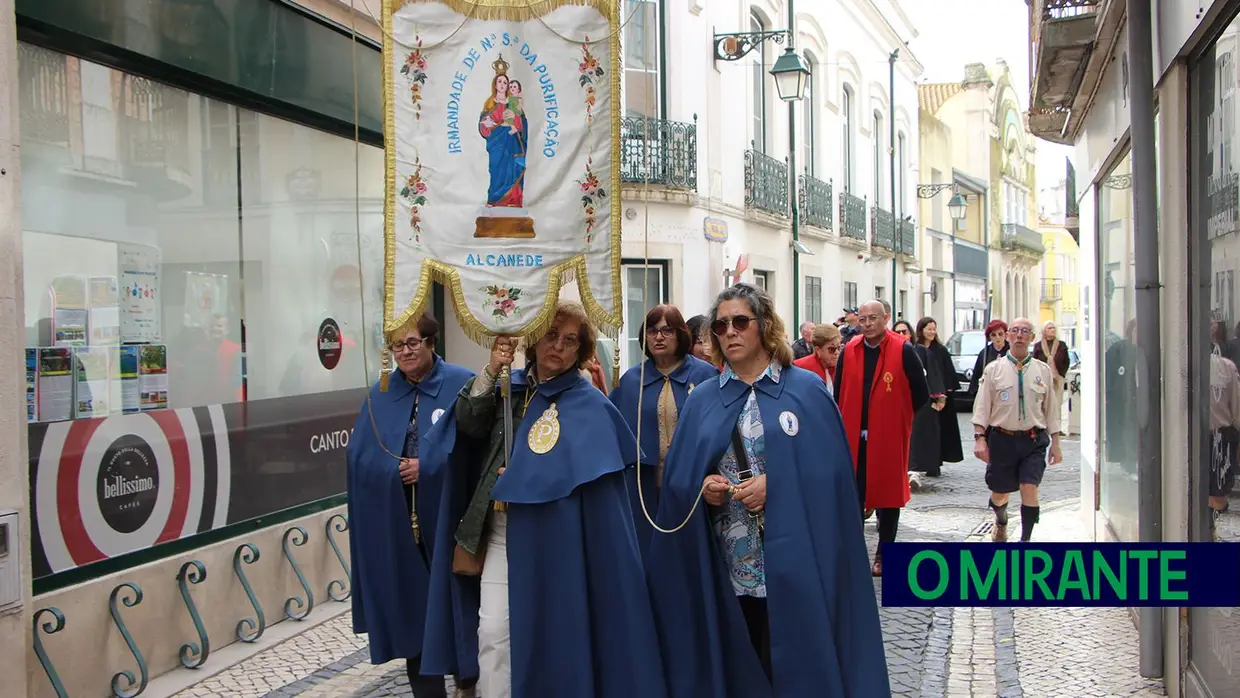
931	653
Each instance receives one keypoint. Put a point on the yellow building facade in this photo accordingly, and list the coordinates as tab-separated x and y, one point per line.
975	142
1061	289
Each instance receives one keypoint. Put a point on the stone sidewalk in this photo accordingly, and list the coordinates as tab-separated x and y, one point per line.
931	653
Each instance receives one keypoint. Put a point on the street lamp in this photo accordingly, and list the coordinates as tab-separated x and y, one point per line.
791	77
957	207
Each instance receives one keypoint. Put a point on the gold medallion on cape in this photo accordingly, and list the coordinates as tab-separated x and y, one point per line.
545	431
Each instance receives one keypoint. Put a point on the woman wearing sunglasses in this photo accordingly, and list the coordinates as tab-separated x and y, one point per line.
763	444
662	383
826	341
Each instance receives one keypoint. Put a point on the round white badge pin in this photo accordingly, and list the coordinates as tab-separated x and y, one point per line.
436	415
1004	396
790	423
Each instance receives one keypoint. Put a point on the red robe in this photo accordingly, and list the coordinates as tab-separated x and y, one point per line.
811	363
890	425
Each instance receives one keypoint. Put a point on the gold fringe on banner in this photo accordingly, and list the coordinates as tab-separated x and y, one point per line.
516	10
433	270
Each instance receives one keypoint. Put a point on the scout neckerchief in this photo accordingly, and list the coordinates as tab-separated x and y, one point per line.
1051	351
1020	365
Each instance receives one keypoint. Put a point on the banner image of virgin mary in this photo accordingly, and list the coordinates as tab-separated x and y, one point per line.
503	125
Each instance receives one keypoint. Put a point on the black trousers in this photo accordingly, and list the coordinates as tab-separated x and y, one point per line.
888	519
759	623
424	686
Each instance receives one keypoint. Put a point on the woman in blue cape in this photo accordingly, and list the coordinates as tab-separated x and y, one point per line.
766	591
565	611
394	509
662	385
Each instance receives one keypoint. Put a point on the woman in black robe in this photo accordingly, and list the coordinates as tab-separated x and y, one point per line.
936	433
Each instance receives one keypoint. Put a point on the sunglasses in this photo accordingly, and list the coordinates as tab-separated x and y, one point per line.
740	322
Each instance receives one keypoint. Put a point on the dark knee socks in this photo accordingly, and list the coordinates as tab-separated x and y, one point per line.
1028	517
1000	513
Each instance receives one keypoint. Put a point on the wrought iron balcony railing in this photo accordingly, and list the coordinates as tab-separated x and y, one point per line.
814	200
766	183
43	94
908	237
1052	290
658	151
852	216
883	224
1018	238
158	124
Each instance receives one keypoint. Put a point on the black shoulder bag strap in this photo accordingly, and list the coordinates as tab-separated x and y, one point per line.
744	473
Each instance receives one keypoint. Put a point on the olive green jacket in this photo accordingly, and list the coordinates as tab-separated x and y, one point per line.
482	418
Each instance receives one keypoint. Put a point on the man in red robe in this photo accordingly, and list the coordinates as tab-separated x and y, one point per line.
879	385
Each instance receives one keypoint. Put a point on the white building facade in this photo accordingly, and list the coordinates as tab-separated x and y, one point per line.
713	190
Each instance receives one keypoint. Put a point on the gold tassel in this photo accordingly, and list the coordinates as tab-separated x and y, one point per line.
501	507
385	365
615	367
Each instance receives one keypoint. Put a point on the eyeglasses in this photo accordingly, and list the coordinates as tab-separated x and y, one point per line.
869	319
1020	331
904	331
740	322
410	344
570	340
660	331
833	350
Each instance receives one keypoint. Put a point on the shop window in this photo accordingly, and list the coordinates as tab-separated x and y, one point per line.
1123	400
1214	344
199	319
850	294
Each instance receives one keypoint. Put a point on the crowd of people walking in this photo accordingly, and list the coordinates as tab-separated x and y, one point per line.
697	530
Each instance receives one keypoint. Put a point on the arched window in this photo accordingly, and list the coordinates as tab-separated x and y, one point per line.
759	85
877	132
846	123
810	106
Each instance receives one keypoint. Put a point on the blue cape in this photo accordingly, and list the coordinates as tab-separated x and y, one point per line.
580	616
390	573
826	639
690	373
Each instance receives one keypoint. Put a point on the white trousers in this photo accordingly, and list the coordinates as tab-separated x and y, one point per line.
494	639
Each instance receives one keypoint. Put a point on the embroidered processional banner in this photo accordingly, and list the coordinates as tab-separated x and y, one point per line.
502	131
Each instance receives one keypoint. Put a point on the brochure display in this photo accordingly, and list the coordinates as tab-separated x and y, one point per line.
91	382
55	384
153	376
140	293
32	384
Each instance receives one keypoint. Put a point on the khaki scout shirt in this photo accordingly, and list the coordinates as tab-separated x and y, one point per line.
998	404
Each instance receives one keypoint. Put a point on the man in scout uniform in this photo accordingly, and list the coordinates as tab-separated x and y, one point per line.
880	384
1015	417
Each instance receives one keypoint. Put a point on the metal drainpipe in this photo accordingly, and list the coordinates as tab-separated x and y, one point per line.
792	183
891	158
1145	243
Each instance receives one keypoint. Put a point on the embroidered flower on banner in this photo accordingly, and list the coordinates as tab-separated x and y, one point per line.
414	192
592	195
590	71
501	300
414	70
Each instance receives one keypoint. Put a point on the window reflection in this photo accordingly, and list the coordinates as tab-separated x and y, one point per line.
179	251
1123	402
1215	632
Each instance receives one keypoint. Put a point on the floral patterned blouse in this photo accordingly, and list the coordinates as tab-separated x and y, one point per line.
737	529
